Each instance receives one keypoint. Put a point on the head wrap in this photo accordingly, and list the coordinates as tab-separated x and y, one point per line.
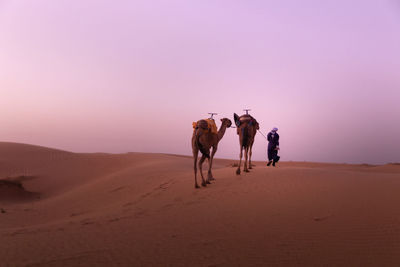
274	129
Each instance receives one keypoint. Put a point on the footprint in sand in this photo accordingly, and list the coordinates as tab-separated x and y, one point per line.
87	222
117	189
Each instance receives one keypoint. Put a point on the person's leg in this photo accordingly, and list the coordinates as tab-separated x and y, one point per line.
275	155
270	156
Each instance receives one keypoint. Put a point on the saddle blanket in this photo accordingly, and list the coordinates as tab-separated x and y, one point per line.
211	126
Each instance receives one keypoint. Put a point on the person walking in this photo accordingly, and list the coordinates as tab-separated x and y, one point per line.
273	147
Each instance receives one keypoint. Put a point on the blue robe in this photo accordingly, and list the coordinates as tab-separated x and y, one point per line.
273	142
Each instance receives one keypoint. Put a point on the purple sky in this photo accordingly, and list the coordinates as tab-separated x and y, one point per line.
119	76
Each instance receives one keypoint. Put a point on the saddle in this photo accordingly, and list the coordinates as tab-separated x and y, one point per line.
246	118
207	124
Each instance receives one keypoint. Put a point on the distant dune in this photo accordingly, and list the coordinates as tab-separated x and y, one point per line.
59	208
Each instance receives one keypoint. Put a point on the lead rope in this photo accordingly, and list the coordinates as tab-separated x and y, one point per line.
262	135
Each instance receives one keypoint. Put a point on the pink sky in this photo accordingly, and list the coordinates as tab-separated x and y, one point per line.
119	76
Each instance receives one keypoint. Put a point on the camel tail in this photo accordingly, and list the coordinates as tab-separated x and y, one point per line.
201	147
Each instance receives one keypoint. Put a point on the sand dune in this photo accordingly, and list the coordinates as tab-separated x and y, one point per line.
66	209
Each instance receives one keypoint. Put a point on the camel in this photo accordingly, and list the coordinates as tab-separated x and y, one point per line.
203	139
247	128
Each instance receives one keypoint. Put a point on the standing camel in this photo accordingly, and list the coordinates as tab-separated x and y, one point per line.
247	128
203	139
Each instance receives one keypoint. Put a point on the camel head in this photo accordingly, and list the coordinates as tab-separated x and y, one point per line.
227	122
237	119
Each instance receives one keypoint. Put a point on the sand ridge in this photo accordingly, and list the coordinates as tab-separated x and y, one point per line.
139	209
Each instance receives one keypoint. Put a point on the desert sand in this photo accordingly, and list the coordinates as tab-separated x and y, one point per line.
67	209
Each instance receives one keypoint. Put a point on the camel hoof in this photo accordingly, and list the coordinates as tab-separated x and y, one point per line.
246	170
211	179
196	186
208	182
204	184
238	172
250	167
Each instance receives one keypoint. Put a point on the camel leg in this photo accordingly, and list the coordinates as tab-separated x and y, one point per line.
240	161
210	162
203	158
246	152
195	154
250	153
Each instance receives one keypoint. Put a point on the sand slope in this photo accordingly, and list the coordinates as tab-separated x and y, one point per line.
65	209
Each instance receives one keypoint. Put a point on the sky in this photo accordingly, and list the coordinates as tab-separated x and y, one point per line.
122	76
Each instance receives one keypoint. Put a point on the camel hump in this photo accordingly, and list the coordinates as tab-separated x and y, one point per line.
200	124
251	121
212	126
207	125
245	118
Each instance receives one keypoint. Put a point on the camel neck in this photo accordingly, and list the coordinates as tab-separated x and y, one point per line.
221	131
